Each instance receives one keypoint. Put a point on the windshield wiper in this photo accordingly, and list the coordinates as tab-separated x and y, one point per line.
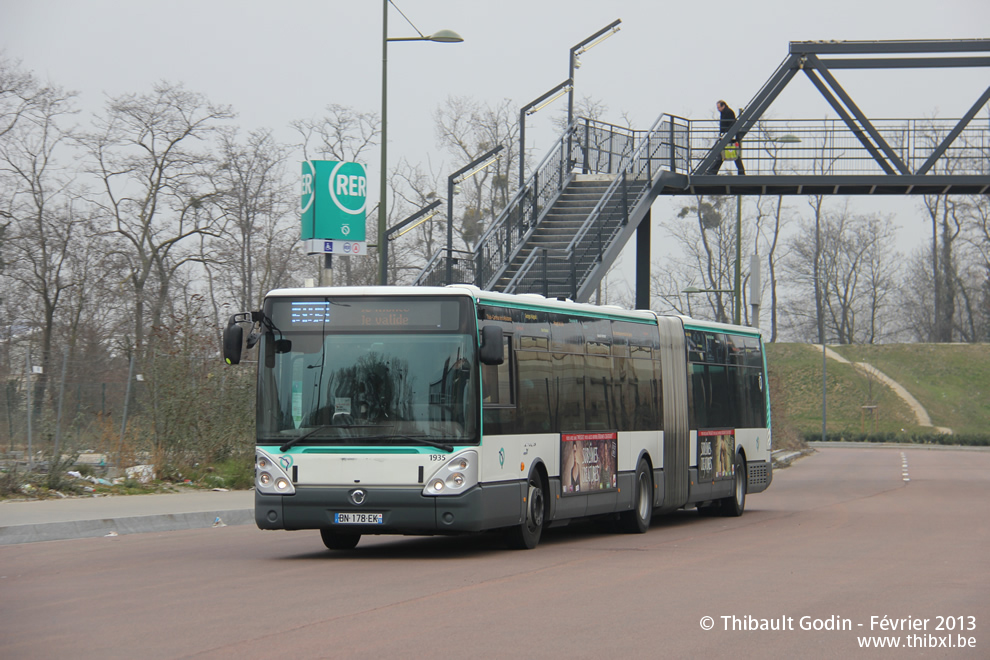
419	439
414	438
299	438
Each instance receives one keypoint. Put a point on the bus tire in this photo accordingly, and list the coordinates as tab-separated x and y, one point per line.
637	521
526	536
736	504
335	541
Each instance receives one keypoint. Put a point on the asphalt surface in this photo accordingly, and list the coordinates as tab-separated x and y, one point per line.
88	517
853	539
74	518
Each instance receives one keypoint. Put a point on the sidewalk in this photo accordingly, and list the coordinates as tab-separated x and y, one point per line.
74	518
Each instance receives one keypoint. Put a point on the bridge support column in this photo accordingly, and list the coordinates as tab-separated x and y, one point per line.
643	262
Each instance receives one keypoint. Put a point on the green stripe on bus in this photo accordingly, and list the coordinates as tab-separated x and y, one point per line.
575	312
361	450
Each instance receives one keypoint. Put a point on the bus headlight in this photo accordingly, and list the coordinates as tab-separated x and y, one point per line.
270	478
455	476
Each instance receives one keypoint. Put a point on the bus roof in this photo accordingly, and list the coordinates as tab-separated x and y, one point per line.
524	300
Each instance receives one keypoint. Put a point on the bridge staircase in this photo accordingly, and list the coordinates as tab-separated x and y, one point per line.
557	235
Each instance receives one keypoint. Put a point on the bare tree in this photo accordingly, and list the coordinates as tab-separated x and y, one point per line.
948	218
414	188
154	190
981	245
586	107
769	233
466	129
957	279
19	93
706	233
45	226
850	260
256	252
341	134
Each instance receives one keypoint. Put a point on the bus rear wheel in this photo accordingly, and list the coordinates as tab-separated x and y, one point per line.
736	504
526	536
335	541
638	520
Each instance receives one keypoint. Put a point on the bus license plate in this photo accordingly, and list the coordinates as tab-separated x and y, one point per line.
357	519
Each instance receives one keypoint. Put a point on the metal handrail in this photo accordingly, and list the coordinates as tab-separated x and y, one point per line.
438	264
594	145
539	256
524	211
603	202
616	202
523	270
499	233
628	165
817	147
830	147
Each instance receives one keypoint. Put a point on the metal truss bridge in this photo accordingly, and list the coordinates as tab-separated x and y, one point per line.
593	191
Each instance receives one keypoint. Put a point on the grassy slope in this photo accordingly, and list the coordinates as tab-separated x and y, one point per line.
951	381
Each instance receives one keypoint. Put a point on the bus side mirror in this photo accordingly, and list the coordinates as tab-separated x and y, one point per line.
492	346
233	337
233	340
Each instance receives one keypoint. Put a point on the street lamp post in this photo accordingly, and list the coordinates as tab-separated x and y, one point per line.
573	63
421	215
443	36
738	314
466	172
531	108
583	47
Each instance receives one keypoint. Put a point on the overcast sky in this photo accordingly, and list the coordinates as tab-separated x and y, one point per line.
279	61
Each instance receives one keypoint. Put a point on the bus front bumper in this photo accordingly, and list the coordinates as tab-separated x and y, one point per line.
404	510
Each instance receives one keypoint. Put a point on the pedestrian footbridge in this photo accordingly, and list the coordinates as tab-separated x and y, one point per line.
593	190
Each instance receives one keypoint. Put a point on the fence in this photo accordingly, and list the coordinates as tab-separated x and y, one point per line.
177	409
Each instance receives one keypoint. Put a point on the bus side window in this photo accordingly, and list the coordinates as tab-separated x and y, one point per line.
537	399
496	380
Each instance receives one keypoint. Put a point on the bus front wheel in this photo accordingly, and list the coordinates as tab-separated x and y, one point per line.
335	541
526	536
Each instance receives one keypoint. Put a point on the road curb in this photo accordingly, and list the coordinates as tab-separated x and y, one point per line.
77	529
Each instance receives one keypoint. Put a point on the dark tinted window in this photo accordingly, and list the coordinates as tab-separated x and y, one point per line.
726	380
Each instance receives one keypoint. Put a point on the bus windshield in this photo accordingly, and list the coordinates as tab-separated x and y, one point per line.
369	372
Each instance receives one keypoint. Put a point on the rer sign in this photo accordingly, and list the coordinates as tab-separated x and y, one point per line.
333	199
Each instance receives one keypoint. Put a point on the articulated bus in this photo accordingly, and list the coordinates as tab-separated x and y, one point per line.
447	410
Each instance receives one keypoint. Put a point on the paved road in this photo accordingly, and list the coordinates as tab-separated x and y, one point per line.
841	537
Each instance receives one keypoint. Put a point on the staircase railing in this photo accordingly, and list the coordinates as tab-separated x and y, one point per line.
597	147
665	145
542	283
435	272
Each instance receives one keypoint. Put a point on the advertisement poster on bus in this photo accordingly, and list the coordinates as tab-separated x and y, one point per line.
588	462
716	449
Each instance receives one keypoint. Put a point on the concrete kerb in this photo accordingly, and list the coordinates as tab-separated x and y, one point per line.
87	517
783	458
80	529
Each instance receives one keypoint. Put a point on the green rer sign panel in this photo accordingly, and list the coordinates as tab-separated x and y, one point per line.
333	198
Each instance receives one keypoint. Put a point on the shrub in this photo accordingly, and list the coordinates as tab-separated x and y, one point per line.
970	440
